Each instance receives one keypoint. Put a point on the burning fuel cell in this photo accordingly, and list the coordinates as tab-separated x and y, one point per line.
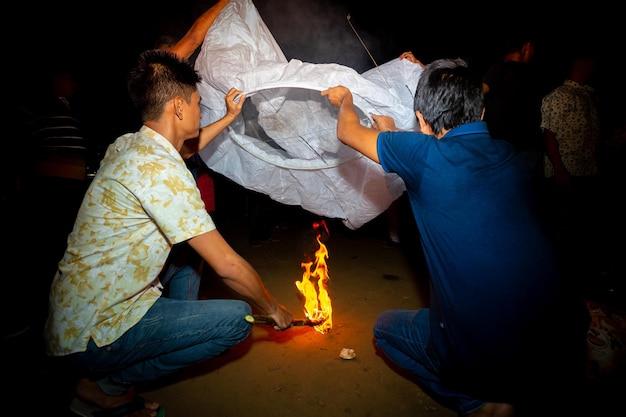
314	284
314	287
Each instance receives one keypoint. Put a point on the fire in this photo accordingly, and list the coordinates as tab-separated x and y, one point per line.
314	286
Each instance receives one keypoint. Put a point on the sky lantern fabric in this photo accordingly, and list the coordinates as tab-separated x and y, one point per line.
284	142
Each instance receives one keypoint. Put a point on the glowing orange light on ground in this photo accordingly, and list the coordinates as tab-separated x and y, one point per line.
314	286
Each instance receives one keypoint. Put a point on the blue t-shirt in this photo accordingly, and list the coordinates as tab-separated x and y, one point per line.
493	272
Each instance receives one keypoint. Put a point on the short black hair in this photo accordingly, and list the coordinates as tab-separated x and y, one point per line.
449	94
158	77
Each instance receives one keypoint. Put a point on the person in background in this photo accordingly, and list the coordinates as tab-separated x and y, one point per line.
500	332
570	123
52	176
107	316
513	98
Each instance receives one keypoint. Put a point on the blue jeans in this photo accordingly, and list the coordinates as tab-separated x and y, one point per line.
182	273
174	334
403	336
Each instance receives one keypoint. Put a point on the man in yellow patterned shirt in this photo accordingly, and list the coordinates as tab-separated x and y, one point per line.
107	317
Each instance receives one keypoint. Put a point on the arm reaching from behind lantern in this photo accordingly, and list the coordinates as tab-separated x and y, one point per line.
193	38
184	48
411	58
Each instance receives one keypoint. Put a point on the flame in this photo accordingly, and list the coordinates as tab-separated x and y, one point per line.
314	286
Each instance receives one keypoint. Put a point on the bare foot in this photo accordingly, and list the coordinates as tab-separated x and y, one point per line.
494	410
90	391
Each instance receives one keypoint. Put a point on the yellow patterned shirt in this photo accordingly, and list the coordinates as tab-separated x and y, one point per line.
142	200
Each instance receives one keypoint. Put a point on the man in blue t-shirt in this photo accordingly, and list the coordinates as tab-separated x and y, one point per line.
498	309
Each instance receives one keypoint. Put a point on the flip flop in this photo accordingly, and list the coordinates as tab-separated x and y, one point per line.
88	409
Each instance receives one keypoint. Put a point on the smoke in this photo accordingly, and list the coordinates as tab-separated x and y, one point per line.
318	31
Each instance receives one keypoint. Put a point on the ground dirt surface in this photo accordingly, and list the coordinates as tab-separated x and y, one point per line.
297	372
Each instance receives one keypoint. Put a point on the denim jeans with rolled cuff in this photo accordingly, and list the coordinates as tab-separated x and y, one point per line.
174	334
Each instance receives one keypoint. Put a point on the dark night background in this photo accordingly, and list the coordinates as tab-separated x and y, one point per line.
103	39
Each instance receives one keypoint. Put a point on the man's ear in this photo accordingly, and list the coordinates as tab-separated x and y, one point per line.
178	107
424	127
